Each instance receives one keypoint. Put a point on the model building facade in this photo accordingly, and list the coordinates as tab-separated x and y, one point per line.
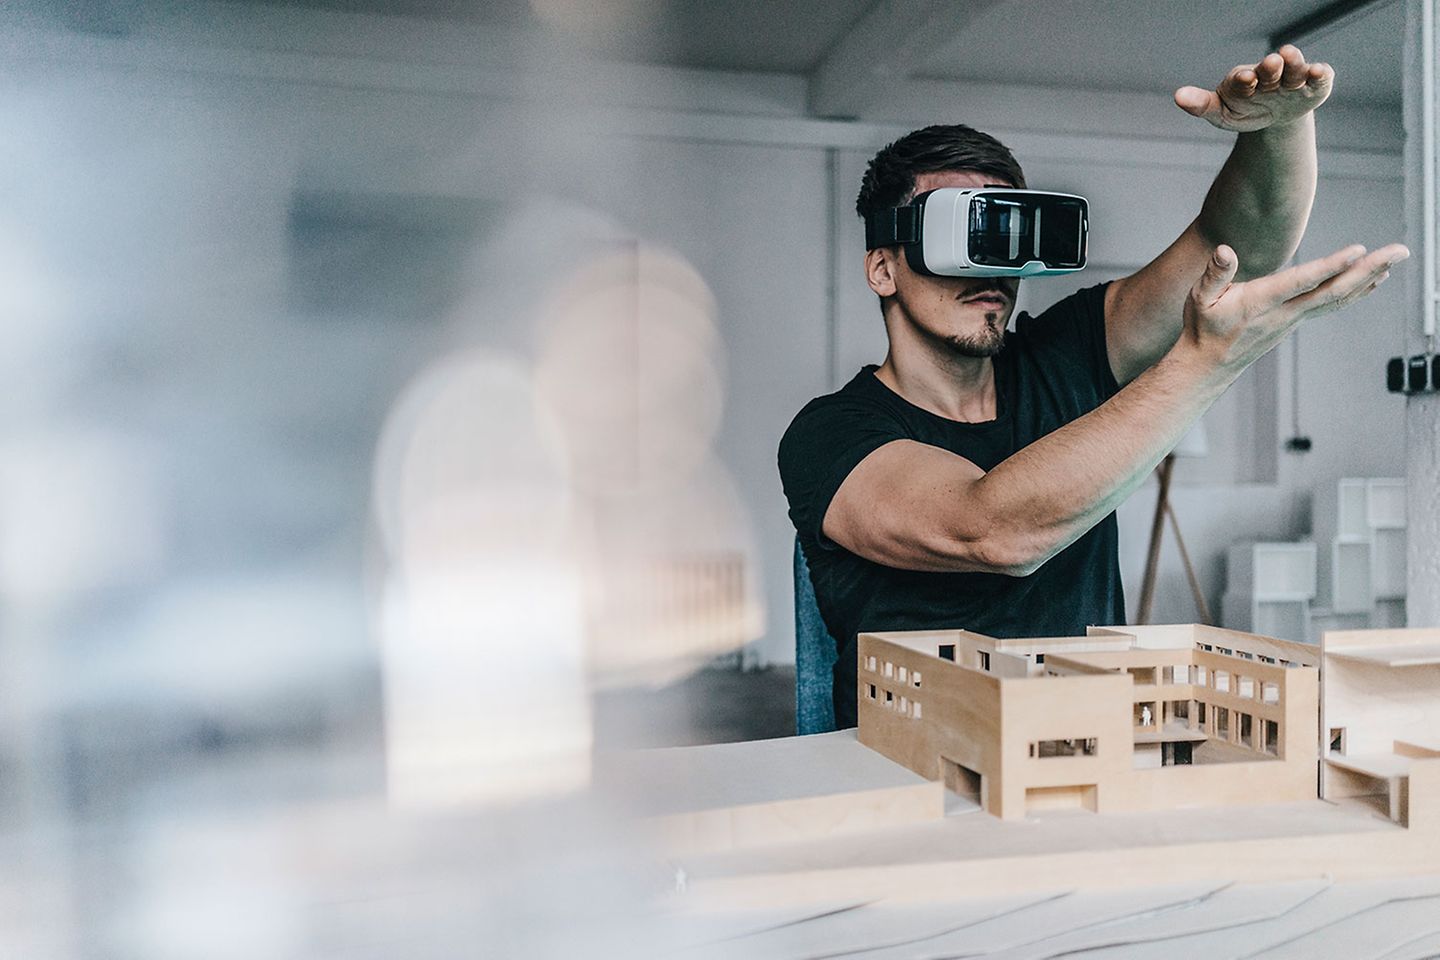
1144	718
1380	716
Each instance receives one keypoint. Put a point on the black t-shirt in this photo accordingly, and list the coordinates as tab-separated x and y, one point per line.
1052	370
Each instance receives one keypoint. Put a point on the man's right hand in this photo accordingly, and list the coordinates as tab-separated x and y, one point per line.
1231	325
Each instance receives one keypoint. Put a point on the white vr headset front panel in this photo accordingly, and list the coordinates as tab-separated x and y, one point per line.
945	236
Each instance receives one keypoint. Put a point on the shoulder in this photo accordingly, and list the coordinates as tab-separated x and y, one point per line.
860	404
1083	306
827	440
833	433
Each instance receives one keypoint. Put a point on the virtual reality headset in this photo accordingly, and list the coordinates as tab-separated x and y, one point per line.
986	232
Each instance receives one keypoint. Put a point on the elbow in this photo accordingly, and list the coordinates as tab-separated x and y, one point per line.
1009	555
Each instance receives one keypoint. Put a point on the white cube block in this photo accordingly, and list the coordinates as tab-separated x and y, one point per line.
1351	590
1283	619
1387	564
1385	504
1272	571
1353	508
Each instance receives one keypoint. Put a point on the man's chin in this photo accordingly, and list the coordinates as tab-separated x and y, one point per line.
987	344
978	347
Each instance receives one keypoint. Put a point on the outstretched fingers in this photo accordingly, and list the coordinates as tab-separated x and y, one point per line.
1343	289
1270	291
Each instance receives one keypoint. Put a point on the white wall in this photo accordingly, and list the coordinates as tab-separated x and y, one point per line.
152	178
202	130
1423	412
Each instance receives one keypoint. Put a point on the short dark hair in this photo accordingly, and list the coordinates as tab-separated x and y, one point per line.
890	179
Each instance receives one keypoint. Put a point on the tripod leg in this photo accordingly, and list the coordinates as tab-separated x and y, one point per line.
1157	530
1200	604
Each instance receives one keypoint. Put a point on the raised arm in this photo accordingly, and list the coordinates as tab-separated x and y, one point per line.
1258	204
917	507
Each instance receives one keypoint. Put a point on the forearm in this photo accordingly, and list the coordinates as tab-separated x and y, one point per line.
1046	496
1258	205
1260	201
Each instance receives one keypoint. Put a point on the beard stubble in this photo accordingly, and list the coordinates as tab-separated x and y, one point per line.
986	344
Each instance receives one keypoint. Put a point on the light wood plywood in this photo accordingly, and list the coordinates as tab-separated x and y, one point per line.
977	855
734	795
1050	755
1336	641
1409	655
1380	698
1373	764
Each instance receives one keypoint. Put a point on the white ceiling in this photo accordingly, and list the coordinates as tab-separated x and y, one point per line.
1146	45
1140	45
771	36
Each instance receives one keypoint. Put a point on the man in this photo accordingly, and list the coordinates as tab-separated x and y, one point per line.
971	479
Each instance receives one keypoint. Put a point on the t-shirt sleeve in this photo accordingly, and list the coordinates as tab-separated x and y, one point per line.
824	443
1068	339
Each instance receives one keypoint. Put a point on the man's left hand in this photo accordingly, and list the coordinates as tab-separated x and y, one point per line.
1278	90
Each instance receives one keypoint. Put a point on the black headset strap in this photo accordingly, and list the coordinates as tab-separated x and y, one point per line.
893	226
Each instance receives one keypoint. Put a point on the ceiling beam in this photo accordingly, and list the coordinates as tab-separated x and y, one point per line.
888	44
1330	17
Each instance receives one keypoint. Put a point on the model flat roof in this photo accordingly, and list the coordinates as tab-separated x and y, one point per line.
1383	765
1394	655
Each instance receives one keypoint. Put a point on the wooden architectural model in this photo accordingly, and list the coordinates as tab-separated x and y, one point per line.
1152	718
1122	753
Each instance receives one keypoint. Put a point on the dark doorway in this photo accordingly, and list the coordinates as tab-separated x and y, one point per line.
962	781
1178	754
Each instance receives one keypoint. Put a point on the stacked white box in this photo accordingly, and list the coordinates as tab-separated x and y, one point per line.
1367	556
1351	588
1386	516
1269	587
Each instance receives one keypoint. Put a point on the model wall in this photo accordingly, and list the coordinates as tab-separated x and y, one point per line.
1065	708
952	698
1378	705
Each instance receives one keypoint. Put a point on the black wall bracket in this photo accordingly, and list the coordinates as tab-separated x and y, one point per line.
1417	374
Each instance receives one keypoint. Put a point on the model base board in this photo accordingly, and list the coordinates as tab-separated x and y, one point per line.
742	795
963	852
1045	747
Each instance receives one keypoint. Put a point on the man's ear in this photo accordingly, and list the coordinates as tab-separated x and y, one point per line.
880	267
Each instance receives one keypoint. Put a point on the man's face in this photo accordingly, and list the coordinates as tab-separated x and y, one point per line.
968	315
